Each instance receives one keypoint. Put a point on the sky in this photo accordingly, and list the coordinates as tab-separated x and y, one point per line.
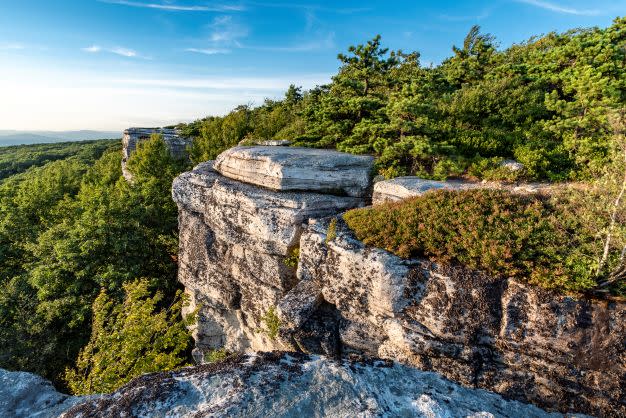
111	64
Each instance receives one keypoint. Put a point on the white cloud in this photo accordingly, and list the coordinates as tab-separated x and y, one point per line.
225	31
176	7
92	49
560	9
209	51
125	52
228	83
118	50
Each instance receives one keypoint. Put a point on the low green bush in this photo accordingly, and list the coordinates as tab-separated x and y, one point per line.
547	241
272	323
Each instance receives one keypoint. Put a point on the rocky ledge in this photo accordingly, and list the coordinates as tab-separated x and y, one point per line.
521	341
236	243
298	169
269	384
401	188
279	270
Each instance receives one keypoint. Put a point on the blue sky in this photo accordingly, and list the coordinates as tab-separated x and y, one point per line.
109	64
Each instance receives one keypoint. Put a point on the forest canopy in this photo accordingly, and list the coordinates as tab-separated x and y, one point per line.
545	103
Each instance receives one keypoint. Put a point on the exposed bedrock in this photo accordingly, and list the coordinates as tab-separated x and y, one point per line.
337	297
517	340
176	144
268	385
401	188
301	169
236	240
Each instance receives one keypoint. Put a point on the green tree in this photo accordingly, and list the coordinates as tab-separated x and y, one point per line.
129	339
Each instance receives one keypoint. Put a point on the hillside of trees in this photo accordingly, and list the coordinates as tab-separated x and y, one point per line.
74	233
550	103
88	290
19	158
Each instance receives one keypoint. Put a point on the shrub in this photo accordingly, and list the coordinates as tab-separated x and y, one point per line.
550	242
272	322
293	258
215	356
331	234
130	339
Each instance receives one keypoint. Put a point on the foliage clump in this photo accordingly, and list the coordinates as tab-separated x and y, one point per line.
547	241
272	322
331	233
215	356
129	339
293	258
71	228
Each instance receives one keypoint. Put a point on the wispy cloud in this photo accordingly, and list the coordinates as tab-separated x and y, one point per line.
560	9
225	31
177	7
208	51
315	7
6	46
117	50
92	49
227	83
125	52
460	18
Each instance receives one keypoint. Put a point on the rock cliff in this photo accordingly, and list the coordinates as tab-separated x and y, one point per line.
176	144
236	240
268	385
269	267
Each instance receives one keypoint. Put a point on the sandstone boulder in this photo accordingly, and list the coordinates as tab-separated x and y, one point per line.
298	169
235	239
401	188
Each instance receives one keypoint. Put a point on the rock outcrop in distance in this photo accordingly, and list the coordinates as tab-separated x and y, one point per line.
267	385
269	269
176	144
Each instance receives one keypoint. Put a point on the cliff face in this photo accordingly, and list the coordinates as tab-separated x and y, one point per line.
517	340
176	144
236	261
235	241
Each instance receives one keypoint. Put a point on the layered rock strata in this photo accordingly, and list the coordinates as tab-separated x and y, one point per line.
240	244
236	243
517	340
298	169
401	188
176	144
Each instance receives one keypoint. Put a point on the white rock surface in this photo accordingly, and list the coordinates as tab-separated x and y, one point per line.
298	169
30	396
234	242
401	188
283	385
512	165
516	339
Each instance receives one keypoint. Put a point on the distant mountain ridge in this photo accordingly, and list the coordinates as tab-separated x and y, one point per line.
13	137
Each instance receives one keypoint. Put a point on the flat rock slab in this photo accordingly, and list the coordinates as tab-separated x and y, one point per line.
298	169
294	385
405	187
